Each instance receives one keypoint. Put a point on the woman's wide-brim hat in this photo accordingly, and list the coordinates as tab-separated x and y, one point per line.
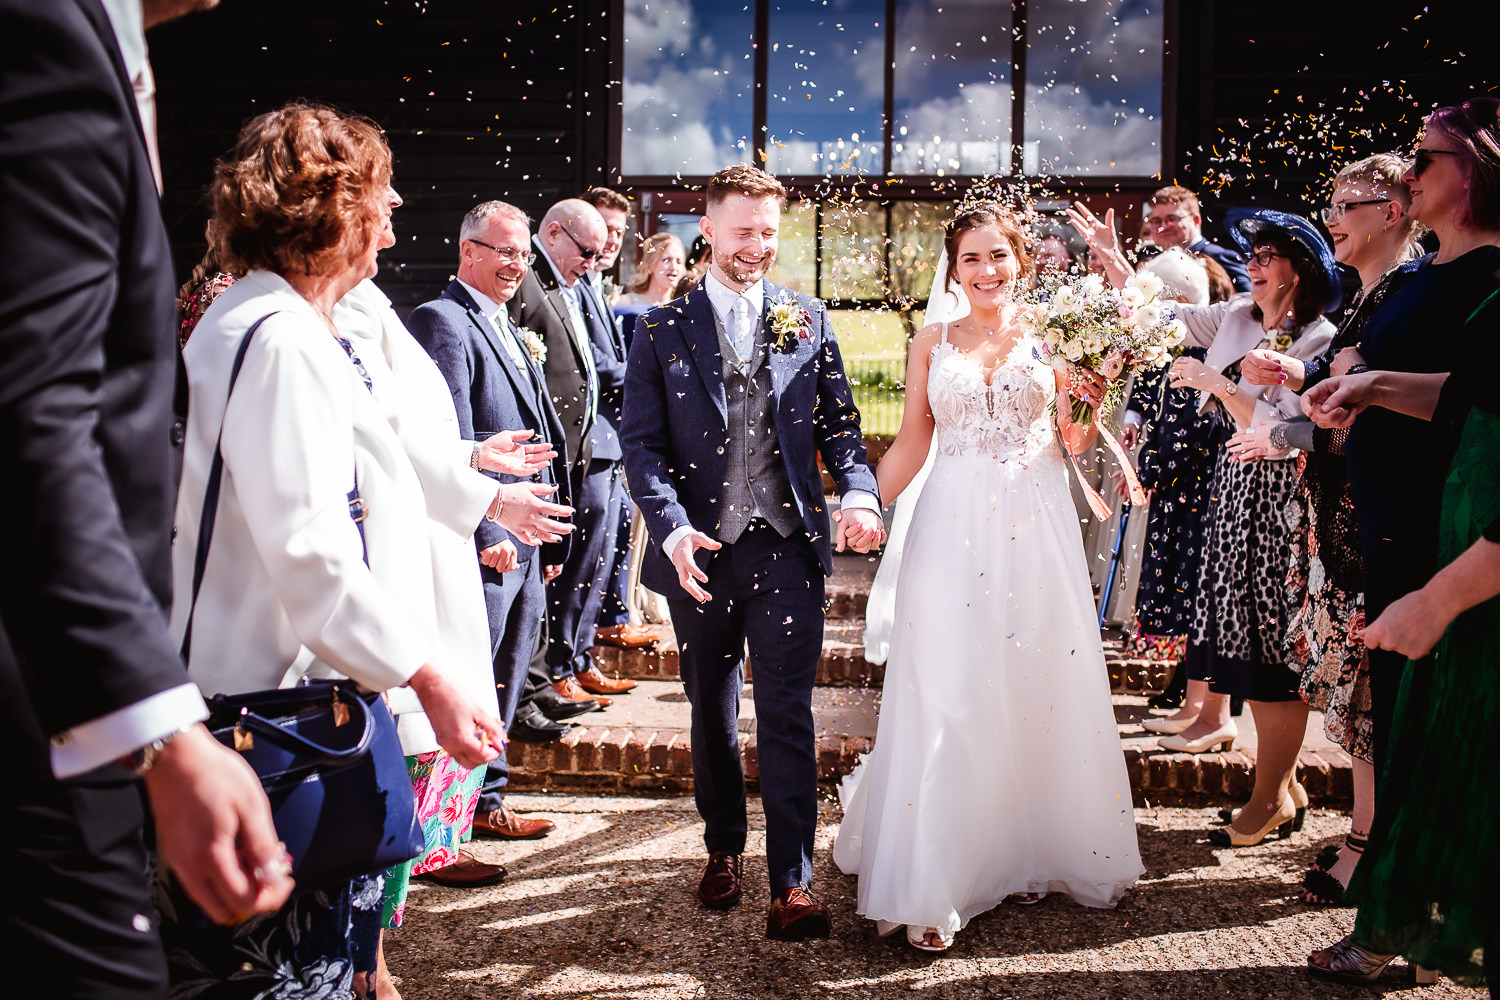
1246	223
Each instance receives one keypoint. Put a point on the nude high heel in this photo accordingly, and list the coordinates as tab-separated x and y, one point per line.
1167	727
1226	735
1281	821
1299	799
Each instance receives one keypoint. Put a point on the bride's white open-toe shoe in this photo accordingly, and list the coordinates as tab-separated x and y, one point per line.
928	938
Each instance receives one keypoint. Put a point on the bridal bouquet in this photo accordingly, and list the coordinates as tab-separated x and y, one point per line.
1084	325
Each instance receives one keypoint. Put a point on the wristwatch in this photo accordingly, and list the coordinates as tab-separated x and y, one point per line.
144	759
474	457
1231	388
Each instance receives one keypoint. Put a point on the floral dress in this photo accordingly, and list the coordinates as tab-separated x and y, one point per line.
447	795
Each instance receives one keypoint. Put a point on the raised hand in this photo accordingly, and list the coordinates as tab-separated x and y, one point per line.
530	518
688	572
1263	367
1100	236
510	452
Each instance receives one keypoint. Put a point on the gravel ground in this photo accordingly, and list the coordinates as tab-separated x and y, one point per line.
604	908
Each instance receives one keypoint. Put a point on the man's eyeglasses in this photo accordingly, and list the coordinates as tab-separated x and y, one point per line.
1163	222
1263	258
1424	158
1334	213
583	251
508	255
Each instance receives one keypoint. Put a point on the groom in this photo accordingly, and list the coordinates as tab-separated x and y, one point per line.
730	394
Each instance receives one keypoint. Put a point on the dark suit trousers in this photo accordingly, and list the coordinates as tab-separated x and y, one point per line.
614	608
573	598
77	907
516	602
767	592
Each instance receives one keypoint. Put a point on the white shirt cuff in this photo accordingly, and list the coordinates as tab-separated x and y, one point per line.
97	742
678	534
1133	418
860	499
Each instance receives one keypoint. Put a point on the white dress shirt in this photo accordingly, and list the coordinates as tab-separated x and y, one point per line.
724	300
500	320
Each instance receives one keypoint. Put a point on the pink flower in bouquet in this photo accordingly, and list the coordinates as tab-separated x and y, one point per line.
1113	366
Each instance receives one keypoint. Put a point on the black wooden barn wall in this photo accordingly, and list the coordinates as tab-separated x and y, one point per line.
480	100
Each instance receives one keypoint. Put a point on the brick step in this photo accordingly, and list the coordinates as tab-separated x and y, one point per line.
843	663
641	744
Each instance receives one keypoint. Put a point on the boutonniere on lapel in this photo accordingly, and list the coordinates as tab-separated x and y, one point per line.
535	346
789	322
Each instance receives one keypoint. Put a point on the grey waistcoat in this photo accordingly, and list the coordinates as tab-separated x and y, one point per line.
755	480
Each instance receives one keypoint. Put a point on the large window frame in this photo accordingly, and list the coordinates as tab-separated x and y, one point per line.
907	185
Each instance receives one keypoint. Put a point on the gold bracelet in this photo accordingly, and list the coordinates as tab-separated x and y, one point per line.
474	457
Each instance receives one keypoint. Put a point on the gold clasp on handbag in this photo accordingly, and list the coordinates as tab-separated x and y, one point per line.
359	503
340	710
243	739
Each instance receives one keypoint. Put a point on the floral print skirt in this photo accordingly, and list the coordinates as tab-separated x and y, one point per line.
447	795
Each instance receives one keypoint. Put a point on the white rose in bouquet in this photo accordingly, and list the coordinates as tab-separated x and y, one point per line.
1133	296
1176	333
1092	285
1065	302
1149	284
1073	350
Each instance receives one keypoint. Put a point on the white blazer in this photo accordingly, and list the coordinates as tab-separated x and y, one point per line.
420	409
286	592
1229	332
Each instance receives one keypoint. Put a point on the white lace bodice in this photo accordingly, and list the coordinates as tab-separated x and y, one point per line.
1005	418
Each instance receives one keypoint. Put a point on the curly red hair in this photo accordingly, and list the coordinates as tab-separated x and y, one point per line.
301	191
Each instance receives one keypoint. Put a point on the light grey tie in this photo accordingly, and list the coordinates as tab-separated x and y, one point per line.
742	332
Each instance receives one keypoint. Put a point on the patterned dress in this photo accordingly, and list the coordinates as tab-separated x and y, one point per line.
447	795
1325	579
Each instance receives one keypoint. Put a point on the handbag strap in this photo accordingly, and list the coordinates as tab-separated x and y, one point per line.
358	510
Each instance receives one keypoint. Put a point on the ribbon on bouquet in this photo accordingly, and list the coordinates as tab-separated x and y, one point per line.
1096	502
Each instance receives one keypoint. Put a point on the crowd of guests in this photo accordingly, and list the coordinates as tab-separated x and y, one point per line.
1307	491
437	509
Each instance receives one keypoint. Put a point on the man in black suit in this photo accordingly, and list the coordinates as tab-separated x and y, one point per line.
91	685
584	384
494	373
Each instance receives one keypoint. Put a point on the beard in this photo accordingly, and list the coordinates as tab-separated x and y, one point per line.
743	272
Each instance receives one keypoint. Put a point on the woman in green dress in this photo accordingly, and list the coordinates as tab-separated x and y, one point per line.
1428	884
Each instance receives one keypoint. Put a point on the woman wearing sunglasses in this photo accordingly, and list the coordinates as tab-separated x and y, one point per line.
1398	465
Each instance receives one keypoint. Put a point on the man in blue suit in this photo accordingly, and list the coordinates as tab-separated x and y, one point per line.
494	372
731	393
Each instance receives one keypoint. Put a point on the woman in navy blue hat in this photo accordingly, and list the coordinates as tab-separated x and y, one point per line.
1240	613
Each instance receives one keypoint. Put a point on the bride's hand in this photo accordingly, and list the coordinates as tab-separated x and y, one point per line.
1087	385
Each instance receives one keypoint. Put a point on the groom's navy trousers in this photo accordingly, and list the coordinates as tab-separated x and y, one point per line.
768	592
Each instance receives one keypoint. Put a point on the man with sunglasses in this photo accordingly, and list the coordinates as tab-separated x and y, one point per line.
554	302
1174	219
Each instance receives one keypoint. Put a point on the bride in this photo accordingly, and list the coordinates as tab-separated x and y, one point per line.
997	769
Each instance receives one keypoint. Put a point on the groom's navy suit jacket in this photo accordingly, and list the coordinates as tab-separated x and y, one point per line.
674	429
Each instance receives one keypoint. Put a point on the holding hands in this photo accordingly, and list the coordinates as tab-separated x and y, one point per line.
859	528
1335	403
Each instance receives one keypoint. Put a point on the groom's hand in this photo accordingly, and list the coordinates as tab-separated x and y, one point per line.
688	573
859	528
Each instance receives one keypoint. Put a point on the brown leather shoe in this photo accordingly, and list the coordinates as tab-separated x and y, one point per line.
595	683
503	822
629	635
720	886
570	689
468	872
796	915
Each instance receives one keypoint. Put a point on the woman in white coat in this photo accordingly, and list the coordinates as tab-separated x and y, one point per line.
293	585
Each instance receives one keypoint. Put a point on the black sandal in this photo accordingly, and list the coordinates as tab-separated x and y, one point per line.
1320	888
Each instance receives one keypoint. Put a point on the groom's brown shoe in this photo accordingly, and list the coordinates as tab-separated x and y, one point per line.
720	886
796	915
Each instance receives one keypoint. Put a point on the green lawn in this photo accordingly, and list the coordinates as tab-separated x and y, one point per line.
874	349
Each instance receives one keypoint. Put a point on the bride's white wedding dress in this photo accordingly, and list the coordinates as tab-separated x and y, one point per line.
997	765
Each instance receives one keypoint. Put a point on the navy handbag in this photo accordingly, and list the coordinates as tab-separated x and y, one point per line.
326	751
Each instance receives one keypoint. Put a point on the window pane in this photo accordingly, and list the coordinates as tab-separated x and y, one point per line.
853	251
825	86
688	86
952	87
797	249
1093	87
916	242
